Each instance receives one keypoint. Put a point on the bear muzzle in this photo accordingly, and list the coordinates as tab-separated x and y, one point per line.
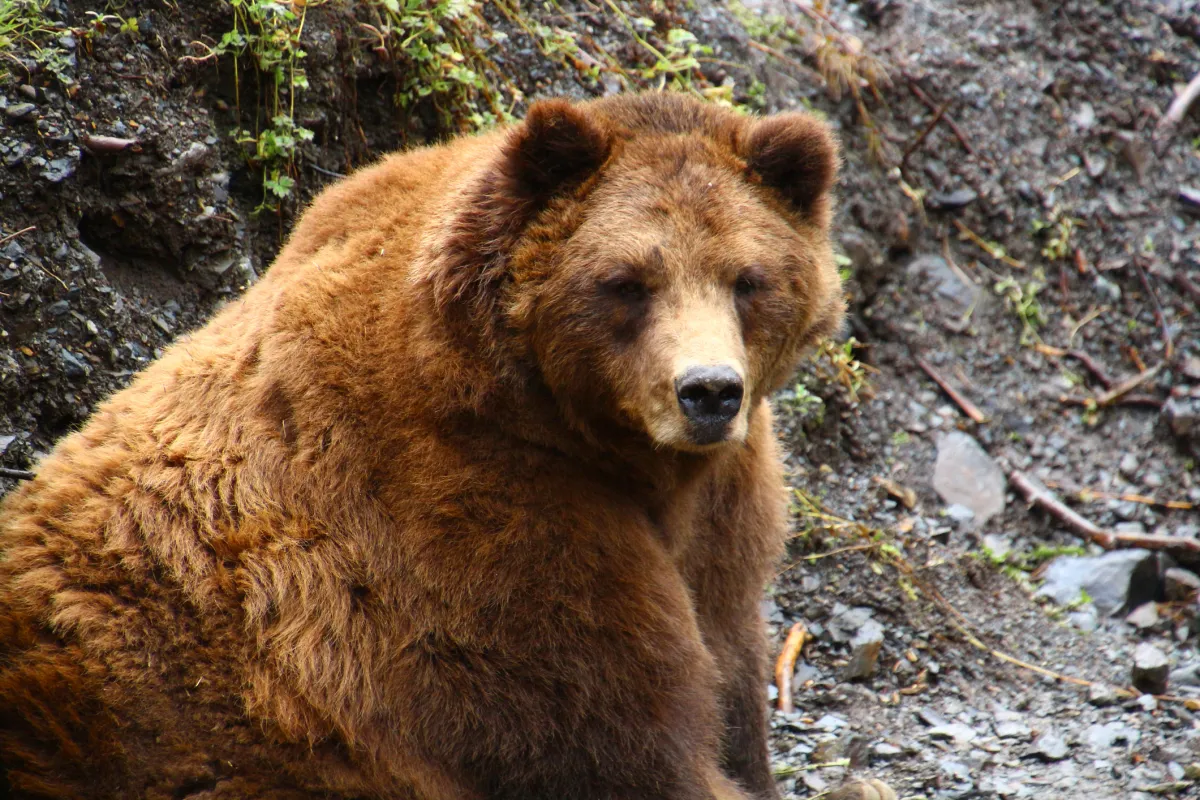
710	398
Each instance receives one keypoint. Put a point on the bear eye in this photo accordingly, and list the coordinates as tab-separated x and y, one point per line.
628	289
746	285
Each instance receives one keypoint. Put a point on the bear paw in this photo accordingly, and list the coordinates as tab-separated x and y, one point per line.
862	790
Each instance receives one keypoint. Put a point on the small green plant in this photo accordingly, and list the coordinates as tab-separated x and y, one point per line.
1058	232
1022	300
838	364
802	404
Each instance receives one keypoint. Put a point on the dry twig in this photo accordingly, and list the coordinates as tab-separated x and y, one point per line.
786	665
1158	313
18	233
1126	386
919	93
1166	126
1040	496
968	408
937	117
16	474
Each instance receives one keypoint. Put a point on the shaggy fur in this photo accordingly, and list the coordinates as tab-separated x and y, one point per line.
419	515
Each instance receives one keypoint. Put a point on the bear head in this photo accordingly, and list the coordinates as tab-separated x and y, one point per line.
658	263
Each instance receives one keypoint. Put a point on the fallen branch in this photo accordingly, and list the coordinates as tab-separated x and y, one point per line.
1085	495
1126	386
968	408
919	93
992	250
1158	312
786	665
1091	366
1166	126
1187	287
16	474
107	144
1141	400
18	233
1038	495
937	117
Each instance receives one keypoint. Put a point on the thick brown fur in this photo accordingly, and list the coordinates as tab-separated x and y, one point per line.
417	517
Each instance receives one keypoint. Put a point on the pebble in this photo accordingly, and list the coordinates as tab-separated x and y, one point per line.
1151	669
1113	581
966	475
1144	616
1051	747
864	651
1181	585
1101	695
951	201
20	110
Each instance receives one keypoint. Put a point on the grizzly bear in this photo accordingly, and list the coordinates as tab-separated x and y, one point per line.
472	496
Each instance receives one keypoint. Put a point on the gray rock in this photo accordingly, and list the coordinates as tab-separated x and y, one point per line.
885	750
957	732
1051	747
1114	581
1102	737
1101	695
966	475
1182	585
864	651
945	280
951	201
73	365
20	110
1129	464
845	623
1151	669
1182	413
1144	616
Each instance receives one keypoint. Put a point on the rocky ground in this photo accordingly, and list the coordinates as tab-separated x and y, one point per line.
1013	216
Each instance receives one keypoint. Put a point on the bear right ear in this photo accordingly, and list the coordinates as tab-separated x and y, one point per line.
557	145
795	154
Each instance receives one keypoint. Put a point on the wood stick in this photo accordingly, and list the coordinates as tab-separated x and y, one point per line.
1091	366
1037	495
937	117
1158	313
968	408
919	93
1126	386
18	233
1166	126
16	474
1187	287
786	665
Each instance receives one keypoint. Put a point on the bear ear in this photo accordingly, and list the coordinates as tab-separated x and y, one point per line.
795	154
557	144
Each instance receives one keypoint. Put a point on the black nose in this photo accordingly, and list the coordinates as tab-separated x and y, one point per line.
710	397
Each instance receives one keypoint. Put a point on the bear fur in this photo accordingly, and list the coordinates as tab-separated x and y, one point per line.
420	516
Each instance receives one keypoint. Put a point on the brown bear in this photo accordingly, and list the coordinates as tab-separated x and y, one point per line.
472	496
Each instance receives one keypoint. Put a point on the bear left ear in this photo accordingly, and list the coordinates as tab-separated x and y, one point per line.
556	145
795	154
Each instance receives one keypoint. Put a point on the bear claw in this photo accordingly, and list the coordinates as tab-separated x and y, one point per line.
863	790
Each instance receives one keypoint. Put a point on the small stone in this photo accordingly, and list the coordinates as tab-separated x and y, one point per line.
997	545
957	732
951	201
73	366
966	475
1182	585
1114	581
1190	198
1129	465
864	651
1151	669
885	750
1012	729
960	515
1144	616
1148	703
28	91
20	110
1051	747
1101	695
1102	737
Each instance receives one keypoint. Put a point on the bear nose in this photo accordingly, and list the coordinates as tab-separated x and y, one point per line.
710	397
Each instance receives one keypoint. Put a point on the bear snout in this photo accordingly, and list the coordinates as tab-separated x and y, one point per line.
710	398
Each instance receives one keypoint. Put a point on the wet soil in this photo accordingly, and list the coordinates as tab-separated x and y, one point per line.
107	256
